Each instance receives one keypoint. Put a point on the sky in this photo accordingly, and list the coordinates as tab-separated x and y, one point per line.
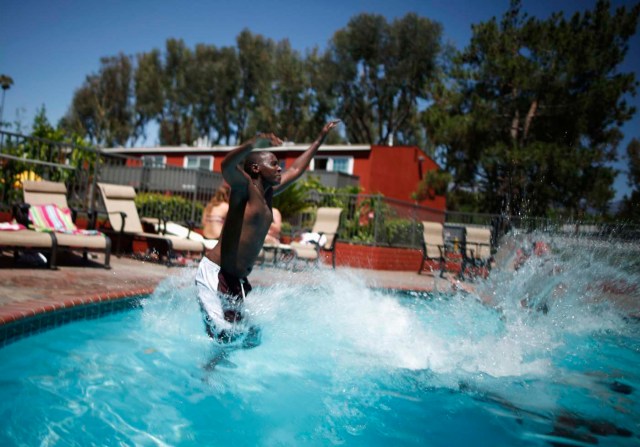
48	47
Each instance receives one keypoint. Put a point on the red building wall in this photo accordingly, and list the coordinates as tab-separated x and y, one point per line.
395	171
392	171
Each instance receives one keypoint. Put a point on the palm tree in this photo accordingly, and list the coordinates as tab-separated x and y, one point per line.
5	82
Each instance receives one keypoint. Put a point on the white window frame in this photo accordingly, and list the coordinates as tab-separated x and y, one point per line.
161	158
330	159
199	158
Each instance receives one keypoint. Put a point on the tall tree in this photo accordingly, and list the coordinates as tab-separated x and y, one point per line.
176	120
102	109
214	81
381	72
630	208
148	89
291	93
255	103
530	116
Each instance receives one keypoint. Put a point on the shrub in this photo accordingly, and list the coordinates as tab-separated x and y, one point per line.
175	208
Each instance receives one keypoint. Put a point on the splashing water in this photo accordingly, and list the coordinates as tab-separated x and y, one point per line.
545	355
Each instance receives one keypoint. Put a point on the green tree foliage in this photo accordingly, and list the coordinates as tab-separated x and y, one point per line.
434	183
214	81
176	119
103	107
381	71
630	208
530	115
67	159
633	153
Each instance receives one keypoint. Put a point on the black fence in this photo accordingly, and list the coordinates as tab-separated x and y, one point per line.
367	219
81	168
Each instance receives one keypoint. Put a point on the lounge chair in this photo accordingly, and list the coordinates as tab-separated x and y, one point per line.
477	249
38	193
276	253
432	246
126	226
326	228
25	239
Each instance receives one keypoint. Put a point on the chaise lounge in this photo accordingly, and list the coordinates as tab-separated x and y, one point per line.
432	246
25	239
42	193
126	226
477	250
326	228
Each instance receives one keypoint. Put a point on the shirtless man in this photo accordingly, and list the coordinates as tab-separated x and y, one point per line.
222	274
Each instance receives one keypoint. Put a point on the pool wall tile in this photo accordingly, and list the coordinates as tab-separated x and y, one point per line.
25	318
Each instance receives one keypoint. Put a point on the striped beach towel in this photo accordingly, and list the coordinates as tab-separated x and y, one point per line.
51	218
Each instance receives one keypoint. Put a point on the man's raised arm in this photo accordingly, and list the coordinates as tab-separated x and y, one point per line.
300	164
234	174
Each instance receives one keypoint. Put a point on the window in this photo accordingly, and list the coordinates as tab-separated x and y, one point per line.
333	164
203	162
154	161
341	164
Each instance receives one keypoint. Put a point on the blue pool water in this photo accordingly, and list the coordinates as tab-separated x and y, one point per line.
341	364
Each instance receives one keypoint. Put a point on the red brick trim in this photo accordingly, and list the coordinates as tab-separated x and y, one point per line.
19	310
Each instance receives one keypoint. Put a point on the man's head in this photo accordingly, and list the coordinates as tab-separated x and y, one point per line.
263	164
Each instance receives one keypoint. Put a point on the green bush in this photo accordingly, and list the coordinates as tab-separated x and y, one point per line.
401	231
175	208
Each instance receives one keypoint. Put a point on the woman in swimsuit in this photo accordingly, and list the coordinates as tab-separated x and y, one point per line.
215	213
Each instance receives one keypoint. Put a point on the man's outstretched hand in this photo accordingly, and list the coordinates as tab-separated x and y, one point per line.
330	125
269	139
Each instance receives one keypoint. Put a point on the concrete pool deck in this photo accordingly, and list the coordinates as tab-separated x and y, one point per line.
27	291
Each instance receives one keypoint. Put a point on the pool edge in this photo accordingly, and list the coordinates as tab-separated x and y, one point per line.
21	319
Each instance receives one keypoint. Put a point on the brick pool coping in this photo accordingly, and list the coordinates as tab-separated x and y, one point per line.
33	300
25	309
19	320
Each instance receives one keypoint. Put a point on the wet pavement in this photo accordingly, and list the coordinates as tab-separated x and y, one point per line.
27	289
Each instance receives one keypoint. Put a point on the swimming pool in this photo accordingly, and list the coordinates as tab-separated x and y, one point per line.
341	364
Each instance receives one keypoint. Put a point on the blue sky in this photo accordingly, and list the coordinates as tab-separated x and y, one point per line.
48	47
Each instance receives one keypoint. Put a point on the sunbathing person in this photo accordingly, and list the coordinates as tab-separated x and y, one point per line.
215	213
273	236
254	177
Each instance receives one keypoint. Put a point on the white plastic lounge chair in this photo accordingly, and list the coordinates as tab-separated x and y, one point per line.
126	226
432	246
326	227
54	193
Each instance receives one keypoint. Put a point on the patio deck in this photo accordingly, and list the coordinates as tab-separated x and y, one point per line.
27	291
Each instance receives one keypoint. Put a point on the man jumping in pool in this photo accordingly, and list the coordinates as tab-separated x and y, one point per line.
222	274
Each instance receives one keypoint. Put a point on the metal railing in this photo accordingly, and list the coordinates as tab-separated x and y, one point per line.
367	219
380	221
194	187
81	168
